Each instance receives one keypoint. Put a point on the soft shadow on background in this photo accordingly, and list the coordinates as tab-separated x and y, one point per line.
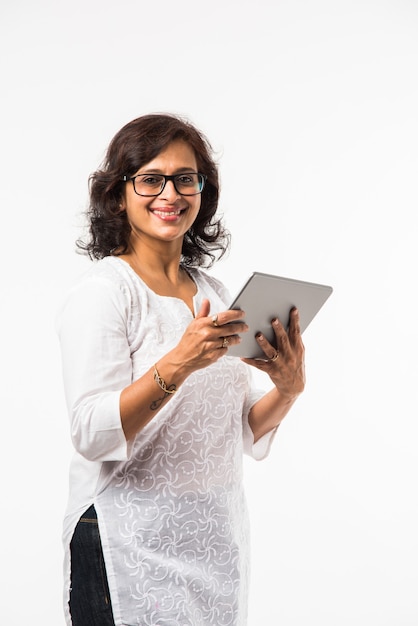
321	96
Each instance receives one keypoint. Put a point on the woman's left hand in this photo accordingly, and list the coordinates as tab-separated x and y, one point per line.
285	364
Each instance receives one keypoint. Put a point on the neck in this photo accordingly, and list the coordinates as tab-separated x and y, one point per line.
159	267
154	261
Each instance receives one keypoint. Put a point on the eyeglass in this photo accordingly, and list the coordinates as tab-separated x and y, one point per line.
186	183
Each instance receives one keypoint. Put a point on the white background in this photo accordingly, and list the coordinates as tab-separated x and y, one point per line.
322	99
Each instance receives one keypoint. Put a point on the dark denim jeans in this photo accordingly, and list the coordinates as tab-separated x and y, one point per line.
89	597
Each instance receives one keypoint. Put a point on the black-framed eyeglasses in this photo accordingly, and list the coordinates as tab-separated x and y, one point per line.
186	183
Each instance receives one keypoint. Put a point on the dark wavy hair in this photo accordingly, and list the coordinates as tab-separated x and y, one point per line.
136	144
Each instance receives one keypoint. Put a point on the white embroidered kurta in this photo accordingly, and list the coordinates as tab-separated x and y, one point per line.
170	505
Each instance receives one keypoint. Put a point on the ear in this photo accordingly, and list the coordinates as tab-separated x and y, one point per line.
121	204
121	200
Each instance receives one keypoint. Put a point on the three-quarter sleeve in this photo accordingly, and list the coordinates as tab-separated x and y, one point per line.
96	363
260	449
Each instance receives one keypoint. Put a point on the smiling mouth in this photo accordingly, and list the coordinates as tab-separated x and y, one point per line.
167	213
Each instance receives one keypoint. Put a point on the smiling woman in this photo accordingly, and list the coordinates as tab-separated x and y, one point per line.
135	146
156	524
161	206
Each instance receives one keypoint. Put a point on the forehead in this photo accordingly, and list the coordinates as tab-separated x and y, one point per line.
177	154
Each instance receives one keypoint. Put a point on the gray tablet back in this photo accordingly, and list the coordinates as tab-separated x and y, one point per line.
265	296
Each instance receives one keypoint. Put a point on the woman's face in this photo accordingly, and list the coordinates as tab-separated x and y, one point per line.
168	216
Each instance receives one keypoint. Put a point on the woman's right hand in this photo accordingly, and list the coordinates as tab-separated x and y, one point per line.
208	337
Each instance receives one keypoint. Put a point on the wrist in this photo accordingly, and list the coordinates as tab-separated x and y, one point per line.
170	370
168	389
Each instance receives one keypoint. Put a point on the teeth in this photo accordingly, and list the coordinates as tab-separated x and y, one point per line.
163	213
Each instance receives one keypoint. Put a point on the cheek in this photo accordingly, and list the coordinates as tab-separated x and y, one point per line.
134	206
198	204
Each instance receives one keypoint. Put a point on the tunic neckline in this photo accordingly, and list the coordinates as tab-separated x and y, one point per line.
159	295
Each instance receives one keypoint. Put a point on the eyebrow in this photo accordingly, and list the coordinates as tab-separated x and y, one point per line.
180	170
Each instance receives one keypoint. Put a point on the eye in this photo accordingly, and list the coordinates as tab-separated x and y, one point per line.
150	180
186	179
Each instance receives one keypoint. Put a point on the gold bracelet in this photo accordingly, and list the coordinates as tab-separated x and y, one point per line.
161	382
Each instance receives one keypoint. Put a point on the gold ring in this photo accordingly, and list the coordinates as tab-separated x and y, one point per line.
225	342
215	320
274	357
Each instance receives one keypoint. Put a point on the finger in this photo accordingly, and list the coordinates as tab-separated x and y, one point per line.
294	326
260	364
233	315
282	339
266	346
204	309
227	317
225	343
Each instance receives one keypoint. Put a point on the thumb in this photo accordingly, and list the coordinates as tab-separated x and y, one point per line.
204	309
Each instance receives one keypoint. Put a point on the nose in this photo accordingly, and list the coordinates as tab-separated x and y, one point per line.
169	192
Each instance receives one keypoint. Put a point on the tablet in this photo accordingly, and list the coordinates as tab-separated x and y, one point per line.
266	296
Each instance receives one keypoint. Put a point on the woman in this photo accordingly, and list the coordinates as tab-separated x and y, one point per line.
156	526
